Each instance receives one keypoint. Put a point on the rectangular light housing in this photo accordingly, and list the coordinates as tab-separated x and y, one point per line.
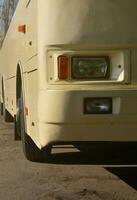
98	105
95	67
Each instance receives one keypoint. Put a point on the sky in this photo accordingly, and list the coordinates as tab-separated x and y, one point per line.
1	2
1	32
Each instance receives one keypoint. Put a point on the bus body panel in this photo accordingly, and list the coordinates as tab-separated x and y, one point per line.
87	22
12	53
103	132
55	109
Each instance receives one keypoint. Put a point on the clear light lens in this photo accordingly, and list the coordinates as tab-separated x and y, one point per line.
98	106
90	67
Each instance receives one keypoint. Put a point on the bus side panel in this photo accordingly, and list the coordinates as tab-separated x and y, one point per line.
12	54
10	95
31	101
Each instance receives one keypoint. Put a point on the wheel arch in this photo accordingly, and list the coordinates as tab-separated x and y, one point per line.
19	89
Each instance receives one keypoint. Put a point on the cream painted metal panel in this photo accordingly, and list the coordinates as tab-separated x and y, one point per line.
87	22
55	108
27	2
31	29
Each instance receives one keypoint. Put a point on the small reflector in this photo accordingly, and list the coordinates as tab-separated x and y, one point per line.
63	67
22	28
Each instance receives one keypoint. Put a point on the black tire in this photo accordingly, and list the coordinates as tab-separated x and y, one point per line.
17	135
1	109
31	151
7	116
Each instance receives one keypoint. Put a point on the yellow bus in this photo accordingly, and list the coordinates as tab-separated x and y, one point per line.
68	73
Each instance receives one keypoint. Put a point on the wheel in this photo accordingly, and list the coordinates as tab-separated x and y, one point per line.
7	116
1	109
31	151
17	135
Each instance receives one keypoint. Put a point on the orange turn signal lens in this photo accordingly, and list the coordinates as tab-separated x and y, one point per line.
22	28
63	67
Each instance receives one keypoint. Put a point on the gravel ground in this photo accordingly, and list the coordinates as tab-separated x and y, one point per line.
70	175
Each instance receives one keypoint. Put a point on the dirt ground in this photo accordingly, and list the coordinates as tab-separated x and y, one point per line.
70	175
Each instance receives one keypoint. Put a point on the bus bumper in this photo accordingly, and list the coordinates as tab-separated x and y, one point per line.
62	118
120	131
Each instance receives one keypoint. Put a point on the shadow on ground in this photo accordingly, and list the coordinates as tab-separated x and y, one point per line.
109	157
94	156
127	174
